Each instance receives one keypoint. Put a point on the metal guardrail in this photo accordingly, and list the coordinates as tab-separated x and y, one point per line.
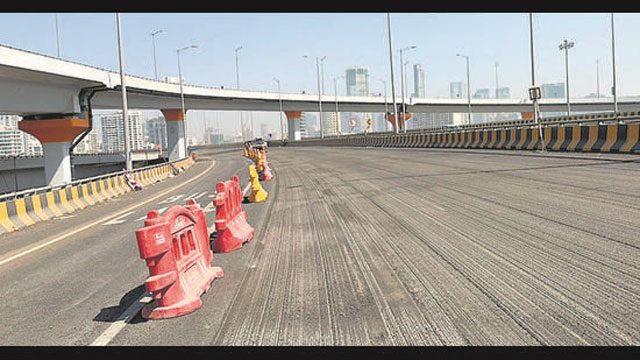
23	193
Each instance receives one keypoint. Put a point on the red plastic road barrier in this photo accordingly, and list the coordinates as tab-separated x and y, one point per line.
266	173
175	246
232	227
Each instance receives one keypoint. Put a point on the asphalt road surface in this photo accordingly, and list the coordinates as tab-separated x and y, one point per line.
358	247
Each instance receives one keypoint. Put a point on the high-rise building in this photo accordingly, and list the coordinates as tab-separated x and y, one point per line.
155	131
457	90
481	117
357	81
418	81
14	142
552	91
89	144
308	125
113	131
504	93
332	119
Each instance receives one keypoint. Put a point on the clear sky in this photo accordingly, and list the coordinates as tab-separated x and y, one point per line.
274	45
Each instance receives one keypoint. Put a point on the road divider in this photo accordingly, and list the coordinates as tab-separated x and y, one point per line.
258	194
232	229
606	138
28	207
175	246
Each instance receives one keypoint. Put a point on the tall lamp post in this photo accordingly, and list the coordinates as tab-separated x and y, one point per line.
335	90
386	108
402	81
184	115
280	102
318	61
614	89
468	86
123	86
534	92
242	127
393	84
153	41
57	37
566	45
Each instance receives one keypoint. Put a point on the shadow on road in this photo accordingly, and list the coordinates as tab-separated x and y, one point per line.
112	313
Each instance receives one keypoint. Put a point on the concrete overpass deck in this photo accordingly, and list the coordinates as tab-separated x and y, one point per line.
360	246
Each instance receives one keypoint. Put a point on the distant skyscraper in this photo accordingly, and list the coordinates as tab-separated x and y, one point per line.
14	142
309	125
418	81
113	131
331	123
504	93
552	91
89	144
357	81
481	94
156	132
457	90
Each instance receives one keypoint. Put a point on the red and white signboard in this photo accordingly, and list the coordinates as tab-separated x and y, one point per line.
352	123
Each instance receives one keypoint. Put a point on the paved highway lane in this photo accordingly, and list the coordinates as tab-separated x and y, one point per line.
396	247
69	292
370	247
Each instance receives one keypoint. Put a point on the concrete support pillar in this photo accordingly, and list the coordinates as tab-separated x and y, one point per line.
56	136
293	124
175	133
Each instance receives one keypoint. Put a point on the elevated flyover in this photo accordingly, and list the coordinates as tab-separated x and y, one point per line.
359	246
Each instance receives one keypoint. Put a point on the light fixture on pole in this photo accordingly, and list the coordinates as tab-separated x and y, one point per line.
153	41
614	88
242	125
57	36
402	83
566	45
280	102
123	86
384	83
184	115
318	61
534	92
335	91
393	86
468	86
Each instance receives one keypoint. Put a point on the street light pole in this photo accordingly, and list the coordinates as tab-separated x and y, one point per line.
468	86
318	60
386	108
497	80
402	83
280	102
184	115
404	91
242	126
393	86
614	88
153	41
598	78
123	86
534	92
566	45
57	36
335	90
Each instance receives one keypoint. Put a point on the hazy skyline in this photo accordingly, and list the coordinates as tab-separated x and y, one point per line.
274	45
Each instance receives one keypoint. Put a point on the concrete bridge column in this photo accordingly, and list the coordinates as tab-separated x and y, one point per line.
175	133
293	124
56	136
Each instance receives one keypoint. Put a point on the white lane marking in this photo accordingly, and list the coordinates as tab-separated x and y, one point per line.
246	189
161	210
171	199
80	229
209	208
122	321
201	195
119	219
